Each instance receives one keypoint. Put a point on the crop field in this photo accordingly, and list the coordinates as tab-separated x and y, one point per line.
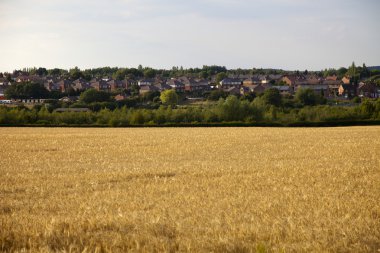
190	190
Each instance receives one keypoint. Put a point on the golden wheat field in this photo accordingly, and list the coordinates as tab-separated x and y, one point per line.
190	190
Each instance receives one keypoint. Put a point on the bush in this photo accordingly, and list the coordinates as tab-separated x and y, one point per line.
92	95
308	97
215	95
272	96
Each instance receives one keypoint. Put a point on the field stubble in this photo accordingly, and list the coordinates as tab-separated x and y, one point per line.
190	189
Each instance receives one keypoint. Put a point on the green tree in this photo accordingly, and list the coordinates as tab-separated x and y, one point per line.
149	73
353	73
229	108
365	73
41	71
220	76
26	90
92	95
75	73
150	96
120	74
306	97
169	97
215	95
203	74
341	72
272	96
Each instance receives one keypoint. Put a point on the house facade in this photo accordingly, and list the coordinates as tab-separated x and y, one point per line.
227	83
368	90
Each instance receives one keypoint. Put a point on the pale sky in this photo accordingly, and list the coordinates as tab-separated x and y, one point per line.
287	34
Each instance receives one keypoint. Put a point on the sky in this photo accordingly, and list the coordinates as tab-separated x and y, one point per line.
283	34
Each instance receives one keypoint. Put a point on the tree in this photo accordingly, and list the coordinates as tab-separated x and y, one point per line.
92	95
230	109
150	95
203	74
26	90
250	96
307	97
341	72
169	97
55	72
272	96
120	74
353	73
149	73
365	73
220	77
41	71
215	95
75	73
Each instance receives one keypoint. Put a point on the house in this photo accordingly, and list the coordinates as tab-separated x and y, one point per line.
69	99
80	85
265	79
117	85
101	85
192	85
368	90
313	80
120	97
29	100
64	85
233	91
295	80
240	76
257	88
146	82
331	78
333	84
29	78
175	84
347	90
346	80
275	78
251	81
202	85
22	78
51	85
147	88
284	89
227	83
150	81
163	86
333	90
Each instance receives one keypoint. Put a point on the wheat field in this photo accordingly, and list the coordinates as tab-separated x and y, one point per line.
190	190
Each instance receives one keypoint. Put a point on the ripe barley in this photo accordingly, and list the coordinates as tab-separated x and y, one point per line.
190	189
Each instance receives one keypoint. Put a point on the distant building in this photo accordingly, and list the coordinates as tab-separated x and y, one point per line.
368	90
228	83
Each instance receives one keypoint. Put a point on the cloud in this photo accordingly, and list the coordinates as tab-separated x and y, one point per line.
240	33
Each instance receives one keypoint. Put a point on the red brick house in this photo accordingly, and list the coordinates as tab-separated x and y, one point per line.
368	90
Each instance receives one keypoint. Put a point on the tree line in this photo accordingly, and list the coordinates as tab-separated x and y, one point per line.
269	108
206	72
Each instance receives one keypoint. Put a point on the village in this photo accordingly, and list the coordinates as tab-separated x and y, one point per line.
329	87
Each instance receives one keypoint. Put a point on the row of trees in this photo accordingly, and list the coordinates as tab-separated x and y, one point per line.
226	110
121	73
356	72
